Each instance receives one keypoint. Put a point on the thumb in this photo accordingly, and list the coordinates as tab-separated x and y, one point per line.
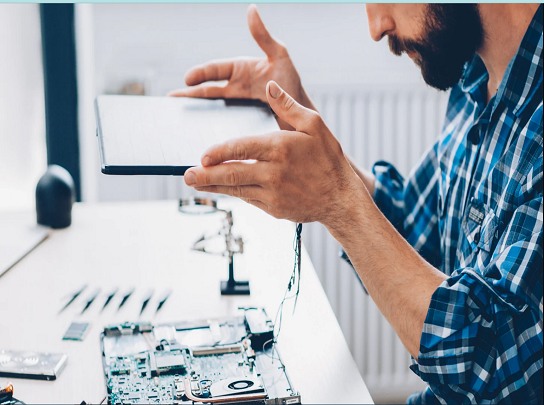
301	118
260	34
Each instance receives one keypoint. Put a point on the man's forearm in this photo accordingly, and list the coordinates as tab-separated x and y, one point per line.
397	278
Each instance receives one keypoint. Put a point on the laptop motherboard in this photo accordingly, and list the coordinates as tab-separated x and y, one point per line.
227	360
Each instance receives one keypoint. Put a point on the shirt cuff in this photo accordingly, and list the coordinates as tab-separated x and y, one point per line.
389	193
464	317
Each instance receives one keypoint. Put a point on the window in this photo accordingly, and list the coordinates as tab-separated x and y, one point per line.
22	117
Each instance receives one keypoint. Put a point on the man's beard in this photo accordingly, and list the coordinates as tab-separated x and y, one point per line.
452	33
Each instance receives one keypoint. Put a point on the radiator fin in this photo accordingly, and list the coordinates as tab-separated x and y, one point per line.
396	125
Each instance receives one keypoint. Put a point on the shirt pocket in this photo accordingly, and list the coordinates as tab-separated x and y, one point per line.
480	230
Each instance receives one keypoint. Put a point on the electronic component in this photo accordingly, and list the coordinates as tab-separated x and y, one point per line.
259	326
170	362
128	328
6	394
149	365
33	365
76	331
236	385
208	351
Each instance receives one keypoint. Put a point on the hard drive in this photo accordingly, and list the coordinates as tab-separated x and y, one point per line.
33	365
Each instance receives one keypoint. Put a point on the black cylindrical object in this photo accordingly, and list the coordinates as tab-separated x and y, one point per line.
55	195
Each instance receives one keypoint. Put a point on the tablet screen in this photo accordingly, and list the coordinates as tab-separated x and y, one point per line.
166	135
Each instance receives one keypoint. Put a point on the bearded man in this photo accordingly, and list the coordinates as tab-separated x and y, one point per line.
453	255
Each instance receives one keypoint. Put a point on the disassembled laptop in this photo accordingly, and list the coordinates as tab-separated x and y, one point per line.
228	360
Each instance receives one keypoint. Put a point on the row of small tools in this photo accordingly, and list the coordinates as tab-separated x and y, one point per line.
93	296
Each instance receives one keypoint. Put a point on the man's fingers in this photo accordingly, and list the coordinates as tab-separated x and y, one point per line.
227	174
245	193
248	148
261	35
211	71
201	91
257	203
285	107
250	193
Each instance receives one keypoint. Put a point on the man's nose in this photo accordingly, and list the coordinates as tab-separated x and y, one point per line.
380	22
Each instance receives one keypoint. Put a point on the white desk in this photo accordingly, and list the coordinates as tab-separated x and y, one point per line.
148	245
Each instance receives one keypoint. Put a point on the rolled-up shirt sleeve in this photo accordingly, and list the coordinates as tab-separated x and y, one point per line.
482	337
389	197
389	193
411	205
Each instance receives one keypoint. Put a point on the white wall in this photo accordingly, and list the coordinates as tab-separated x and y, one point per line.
328	42
22	123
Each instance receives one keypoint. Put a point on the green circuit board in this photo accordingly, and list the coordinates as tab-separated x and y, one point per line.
143	367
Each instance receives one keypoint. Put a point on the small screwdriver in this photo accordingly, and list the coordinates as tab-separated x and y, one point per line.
146	300
110	297
125	298
73	298
163	299
91	299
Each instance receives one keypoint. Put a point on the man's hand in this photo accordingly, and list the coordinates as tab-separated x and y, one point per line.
299	175
303	176
247	77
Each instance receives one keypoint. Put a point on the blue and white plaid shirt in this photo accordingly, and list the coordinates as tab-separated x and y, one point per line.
473	208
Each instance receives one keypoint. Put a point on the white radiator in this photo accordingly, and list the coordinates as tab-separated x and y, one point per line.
397	125
393	124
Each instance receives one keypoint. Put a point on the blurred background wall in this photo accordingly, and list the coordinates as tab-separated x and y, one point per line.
22	114
156	44
374	102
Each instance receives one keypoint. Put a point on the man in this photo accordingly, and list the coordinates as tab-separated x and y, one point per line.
453	255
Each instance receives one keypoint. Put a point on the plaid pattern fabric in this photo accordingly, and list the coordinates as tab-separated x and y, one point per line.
473	208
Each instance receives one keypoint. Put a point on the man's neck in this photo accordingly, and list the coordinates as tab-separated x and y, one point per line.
504	27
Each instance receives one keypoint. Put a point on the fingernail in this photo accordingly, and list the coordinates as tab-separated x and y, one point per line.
190	178
274	90
206	161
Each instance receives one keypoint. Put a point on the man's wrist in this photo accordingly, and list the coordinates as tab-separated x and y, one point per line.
348	210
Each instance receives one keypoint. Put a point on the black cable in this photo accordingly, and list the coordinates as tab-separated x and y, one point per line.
9	400
298	249
295	279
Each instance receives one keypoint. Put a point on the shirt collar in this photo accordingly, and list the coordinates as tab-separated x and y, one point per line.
475	74
523	75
